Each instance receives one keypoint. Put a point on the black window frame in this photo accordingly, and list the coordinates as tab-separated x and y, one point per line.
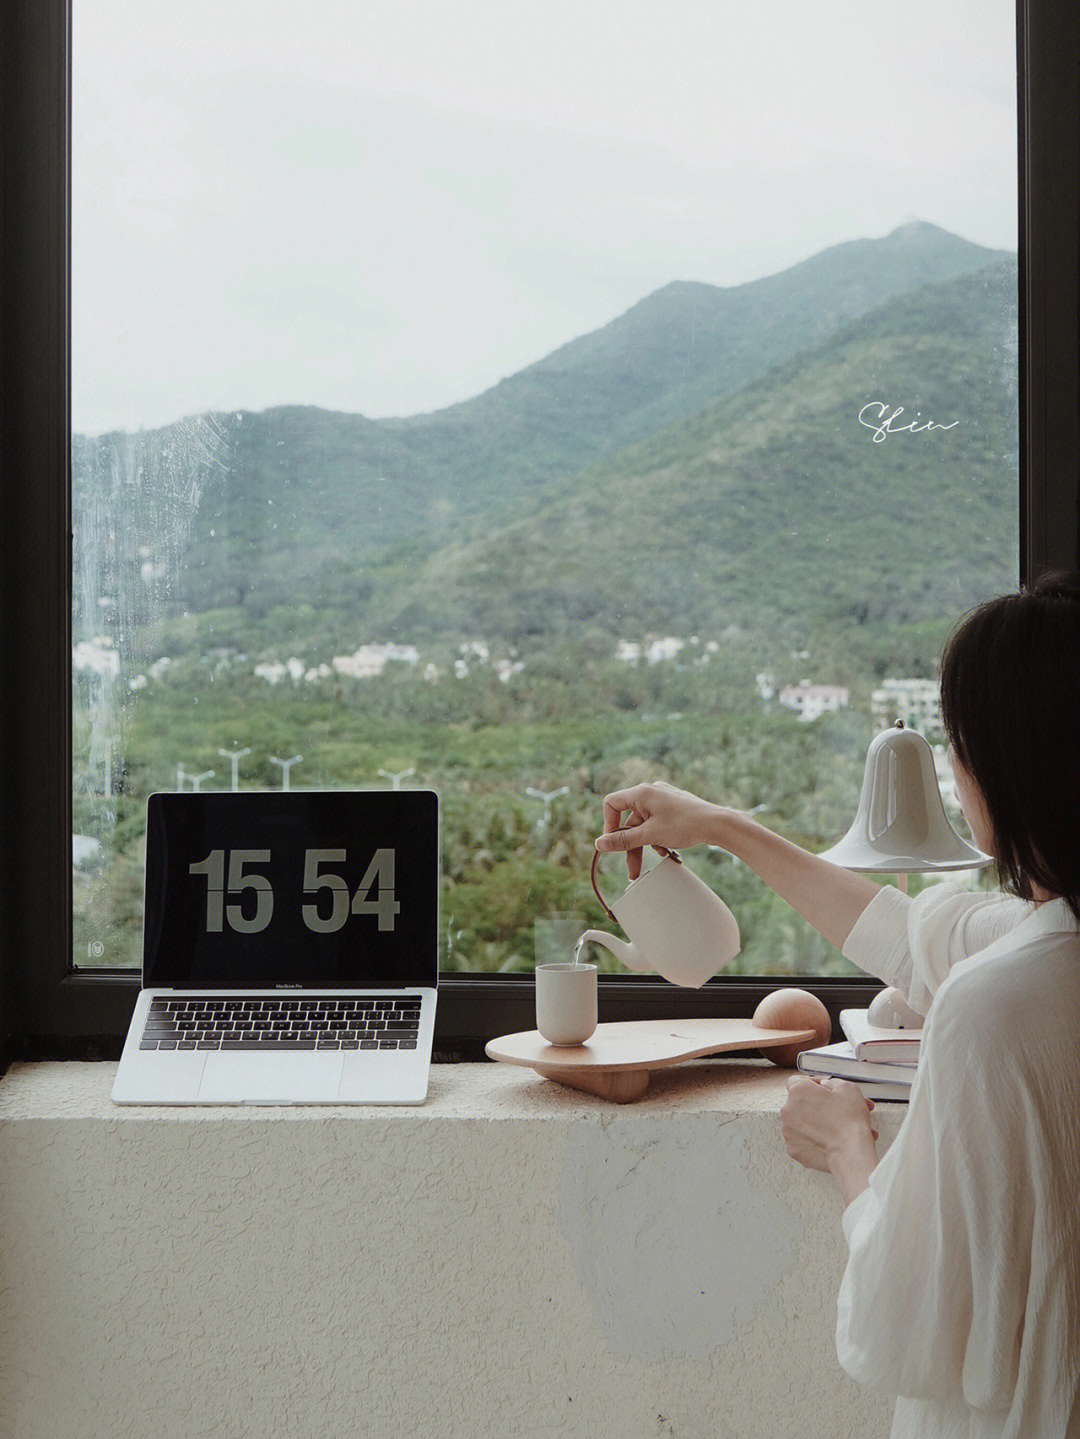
47	1008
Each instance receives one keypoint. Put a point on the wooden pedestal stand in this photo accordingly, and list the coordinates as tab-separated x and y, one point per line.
617	1061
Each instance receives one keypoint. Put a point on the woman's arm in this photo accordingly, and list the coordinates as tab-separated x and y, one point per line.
827	896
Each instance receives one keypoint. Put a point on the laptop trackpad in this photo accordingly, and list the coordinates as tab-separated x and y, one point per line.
271	1078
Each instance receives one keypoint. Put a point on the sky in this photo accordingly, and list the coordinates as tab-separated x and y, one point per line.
385	207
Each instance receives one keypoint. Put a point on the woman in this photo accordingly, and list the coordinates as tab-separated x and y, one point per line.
961	1292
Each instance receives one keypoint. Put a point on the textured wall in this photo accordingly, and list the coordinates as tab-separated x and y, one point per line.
510	1259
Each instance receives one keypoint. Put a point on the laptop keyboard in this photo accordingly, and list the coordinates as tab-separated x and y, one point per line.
319	1022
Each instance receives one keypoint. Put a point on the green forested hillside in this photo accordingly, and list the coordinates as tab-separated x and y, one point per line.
351	522
774	509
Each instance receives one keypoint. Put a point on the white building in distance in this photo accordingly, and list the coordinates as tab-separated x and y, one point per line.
810	701
655	650
916	702
99	655
370	660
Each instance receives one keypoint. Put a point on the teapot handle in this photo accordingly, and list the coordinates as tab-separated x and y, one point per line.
666	853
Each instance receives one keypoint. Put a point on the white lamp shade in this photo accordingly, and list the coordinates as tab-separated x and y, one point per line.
901	826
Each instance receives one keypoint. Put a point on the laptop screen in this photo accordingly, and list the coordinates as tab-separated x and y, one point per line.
292	889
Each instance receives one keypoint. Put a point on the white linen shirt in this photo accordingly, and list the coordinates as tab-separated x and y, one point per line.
961	1292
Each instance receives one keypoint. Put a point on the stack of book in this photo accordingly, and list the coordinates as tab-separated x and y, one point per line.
882	1062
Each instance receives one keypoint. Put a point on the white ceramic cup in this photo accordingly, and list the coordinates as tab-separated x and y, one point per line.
566	1002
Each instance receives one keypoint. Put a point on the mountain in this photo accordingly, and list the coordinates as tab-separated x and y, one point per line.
688	344
603	458
775	509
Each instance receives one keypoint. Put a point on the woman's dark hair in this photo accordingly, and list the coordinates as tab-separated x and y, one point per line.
1010	702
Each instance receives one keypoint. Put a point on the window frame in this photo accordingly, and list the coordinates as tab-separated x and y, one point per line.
50	1010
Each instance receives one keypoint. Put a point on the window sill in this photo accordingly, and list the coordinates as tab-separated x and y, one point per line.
731	1087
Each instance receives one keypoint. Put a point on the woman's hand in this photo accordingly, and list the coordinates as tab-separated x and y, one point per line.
826	1126
660	815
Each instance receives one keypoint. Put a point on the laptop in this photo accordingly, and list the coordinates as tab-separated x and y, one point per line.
290	949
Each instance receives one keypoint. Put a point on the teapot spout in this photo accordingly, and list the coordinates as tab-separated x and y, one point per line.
625	953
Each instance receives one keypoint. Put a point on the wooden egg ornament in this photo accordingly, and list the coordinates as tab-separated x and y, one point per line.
793	1009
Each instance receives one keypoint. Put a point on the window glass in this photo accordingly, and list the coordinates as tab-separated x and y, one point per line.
526	400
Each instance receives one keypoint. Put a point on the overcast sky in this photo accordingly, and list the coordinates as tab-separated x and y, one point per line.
387	206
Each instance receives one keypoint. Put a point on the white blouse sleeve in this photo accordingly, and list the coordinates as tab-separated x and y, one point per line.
931	1305
914	943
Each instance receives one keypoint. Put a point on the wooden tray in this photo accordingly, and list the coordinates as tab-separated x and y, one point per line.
616	1062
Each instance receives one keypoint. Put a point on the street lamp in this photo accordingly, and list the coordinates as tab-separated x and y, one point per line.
549	797
197	779
395	779
286	766
236	755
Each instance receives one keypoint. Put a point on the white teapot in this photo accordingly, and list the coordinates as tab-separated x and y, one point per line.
677	926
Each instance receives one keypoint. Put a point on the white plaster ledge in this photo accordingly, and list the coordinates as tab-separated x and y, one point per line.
510	1260
733	1088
